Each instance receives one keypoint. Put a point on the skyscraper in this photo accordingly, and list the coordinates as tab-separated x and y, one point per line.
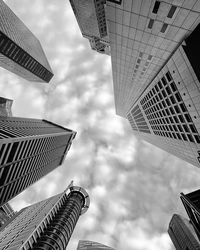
155	71
91	19
29	149
6	213
47	224
20	51
91	245
182	233
5	106
191	203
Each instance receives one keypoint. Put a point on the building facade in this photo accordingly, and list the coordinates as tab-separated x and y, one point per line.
91	18
47	224
91	245
20	51
155	70
6	213
29	149
5	106
183	234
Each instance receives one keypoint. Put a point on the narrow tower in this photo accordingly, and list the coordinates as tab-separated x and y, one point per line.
20	51
29	149
47	224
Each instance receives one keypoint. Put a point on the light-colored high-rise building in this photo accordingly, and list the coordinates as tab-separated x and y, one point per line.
91	18
183	234
91	245
29	149
154	46
47	224
20	51
5	106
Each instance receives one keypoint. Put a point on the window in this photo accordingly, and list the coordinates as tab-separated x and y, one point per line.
156	7
171	11
150	25
164	27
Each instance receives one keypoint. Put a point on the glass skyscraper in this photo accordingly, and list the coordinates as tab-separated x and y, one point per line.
29	149
47	224
20	51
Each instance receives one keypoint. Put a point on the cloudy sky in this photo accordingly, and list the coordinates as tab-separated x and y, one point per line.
134	187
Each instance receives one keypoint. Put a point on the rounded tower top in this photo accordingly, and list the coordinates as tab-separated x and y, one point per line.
84	194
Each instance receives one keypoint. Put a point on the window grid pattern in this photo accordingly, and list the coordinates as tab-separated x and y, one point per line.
101	18
26	164
139	120
11	127
132	123
23	226
167	113
11	50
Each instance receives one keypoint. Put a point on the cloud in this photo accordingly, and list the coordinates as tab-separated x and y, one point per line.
134	187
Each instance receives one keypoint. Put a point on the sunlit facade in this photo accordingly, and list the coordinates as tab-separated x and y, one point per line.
29	149
91	245
20	51
47	224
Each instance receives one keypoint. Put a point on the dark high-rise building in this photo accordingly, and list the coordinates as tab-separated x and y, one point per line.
155	67
47	224
5	106
191	202
29	149
183	234
20	51
91	245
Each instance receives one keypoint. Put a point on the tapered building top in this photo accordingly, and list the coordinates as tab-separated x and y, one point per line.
47	224
20	51
91	18
183	234
91	245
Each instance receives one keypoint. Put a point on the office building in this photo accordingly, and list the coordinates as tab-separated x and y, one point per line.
5	106
191	202
182	233
91	18
29	149
47	224
156	81
91	245
154	46
6	213
20	51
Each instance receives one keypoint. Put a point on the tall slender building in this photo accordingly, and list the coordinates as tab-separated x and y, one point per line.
91	245
5	106
29	149
183	234
47	224
154	47
20	51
